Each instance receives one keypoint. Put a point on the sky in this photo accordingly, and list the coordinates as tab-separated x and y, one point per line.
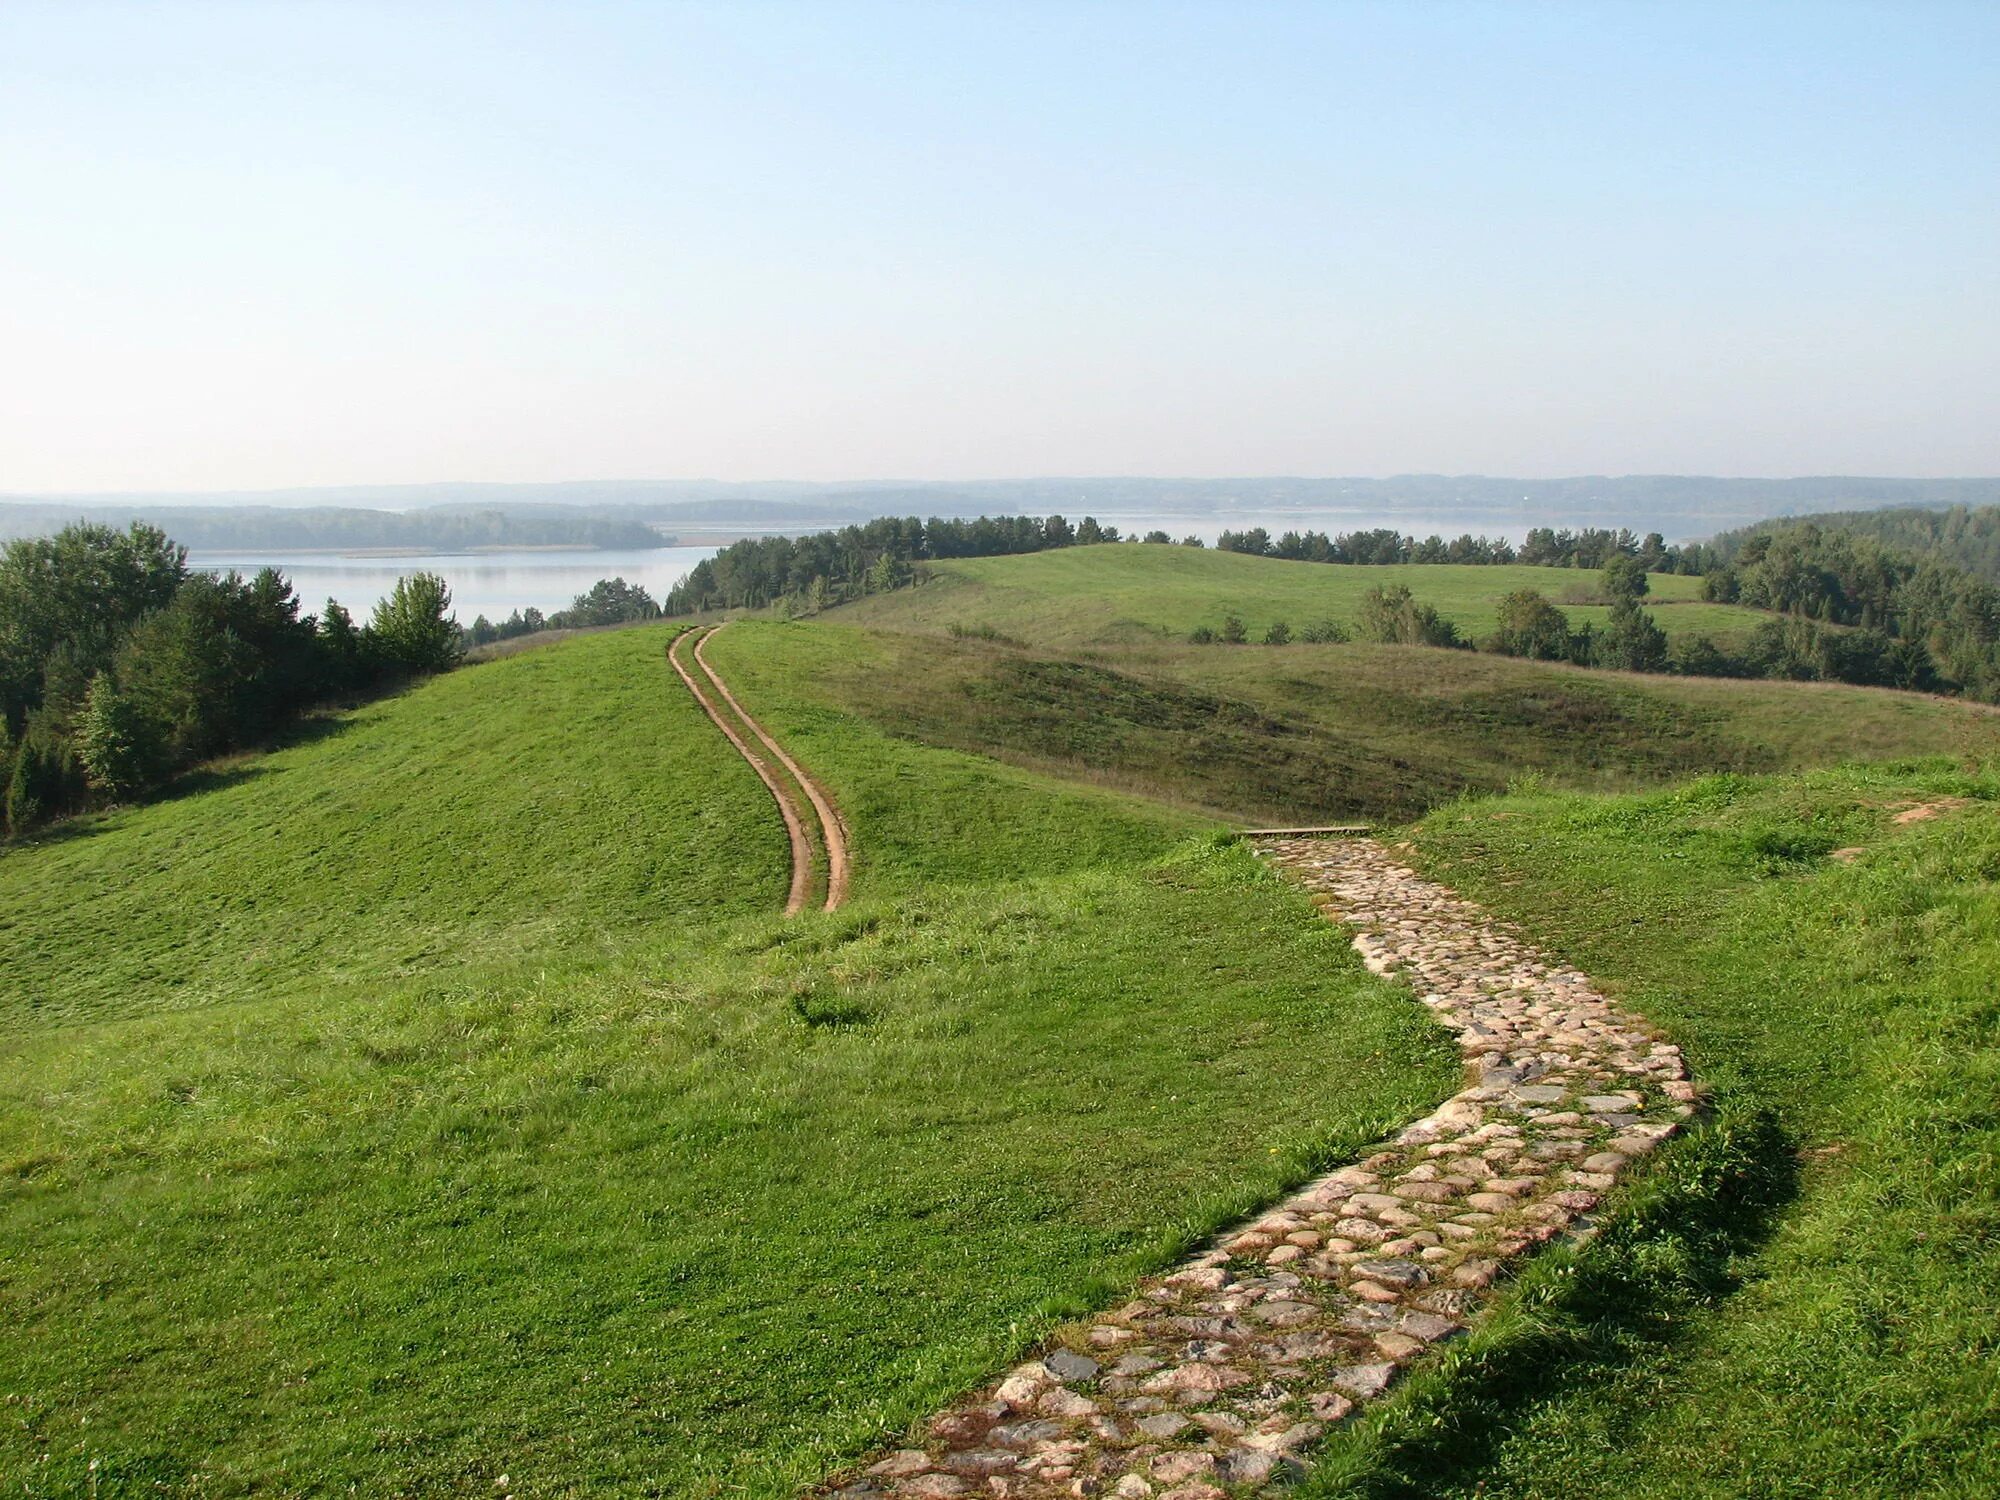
277	244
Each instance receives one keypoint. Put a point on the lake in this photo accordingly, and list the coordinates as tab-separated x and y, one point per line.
493	584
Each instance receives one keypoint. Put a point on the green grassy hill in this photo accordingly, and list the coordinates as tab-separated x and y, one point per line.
445	1100
1125	594
1332	733
488	816
1802	1300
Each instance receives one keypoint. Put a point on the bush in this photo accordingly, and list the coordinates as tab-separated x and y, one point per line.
1698	656
1323	633
1233	632
1625	578
1530	626
45	782
1280	634
1201	635
1631	640
1390	616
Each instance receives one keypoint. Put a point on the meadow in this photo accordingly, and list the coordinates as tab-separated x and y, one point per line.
1124	594
1305	733
673	1197
439	1105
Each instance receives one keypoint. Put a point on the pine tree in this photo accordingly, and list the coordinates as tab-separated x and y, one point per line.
413	628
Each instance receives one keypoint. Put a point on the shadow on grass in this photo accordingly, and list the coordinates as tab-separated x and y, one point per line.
1579	1316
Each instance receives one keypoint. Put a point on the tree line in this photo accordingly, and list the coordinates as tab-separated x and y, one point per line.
121	667
1961	536
804	574
1547	547
609	601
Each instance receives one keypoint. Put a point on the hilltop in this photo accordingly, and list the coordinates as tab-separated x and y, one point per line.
1122	594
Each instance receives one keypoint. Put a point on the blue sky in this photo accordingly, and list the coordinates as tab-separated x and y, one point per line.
278	244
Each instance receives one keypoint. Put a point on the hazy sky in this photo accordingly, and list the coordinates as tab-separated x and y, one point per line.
279	244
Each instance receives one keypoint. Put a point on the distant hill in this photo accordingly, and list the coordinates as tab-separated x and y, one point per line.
257	528
1964	536
1678	505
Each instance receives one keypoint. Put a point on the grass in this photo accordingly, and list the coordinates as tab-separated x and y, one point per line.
442	1099
1311	733
1122	594
489	815
668	1195
1800	1301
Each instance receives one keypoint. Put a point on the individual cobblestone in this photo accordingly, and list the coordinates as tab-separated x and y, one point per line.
1225	1371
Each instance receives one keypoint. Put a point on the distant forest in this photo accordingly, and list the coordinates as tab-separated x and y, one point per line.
274	529
1963	536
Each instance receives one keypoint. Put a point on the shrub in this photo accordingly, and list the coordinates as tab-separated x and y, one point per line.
1631	641
1323	633
1392	617
1233	632
1698	656
1280	634
1530	626
1625	578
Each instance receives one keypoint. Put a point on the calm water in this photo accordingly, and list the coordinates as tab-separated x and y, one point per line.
493	584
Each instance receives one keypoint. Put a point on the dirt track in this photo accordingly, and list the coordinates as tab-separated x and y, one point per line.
815	835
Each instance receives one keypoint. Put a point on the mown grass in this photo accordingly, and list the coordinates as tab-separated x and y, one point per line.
1328	733
1127	594
668	1196
1800	1301
553	801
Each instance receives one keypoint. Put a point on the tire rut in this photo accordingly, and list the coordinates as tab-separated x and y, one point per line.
802	801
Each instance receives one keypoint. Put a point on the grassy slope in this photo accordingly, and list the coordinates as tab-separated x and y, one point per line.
1850	1005
672	1197
1123	594
1327	732
420	835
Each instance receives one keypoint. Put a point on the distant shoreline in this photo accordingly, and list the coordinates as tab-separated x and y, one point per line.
198	554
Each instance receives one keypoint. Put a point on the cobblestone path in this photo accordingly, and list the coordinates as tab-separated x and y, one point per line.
1218	1377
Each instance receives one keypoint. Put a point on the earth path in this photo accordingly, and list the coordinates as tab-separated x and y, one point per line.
832	832
1217	1377
795	828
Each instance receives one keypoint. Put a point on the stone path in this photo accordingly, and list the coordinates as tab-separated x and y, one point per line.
1218	1377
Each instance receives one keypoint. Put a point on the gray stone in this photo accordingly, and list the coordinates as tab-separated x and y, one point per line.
1066	1366
1365	1381
1399	1273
